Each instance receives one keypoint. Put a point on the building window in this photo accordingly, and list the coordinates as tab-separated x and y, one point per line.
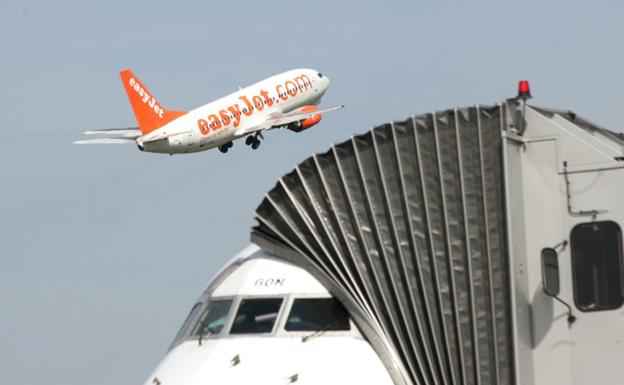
310	314
256	315
597	265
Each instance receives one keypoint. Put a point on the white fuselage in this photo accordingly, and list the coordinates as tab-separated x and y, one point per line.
278	355
224	119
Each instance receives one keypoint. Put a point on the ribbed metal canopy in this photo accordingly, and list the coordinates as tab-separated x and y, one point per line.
405	225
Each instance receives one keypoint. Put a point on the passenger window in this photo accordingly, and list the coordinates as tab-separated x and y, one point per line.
256	315
597	265
213	318
308	314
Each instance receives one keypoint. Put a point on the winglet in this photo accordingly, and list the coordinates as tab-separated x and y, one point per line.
149	114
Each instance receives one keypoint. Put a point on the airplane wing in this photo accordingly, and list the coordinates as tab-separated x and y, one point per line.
278	119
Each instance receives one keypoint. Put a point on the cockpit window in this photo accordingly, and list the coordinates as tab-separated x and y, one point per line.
213	318
185	326
320	75
256	315
308	314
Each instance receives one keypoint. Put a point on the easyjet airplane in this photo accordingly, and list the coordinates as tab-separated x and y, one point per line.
288	100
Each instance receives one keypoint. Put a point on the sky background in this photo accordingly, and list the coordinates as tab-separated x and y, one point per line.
103	249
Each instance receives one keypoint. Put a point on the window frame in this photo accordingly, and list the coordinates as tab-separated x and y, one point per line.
620	265
228	318
276	324
189	336
183	333
281	331
291	304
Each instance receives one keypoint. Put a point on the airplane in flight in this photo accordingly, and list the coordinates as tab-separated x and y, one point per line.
287	100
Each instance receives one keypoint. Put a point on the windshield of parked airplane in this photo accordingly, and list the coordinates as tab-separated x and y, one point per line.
256	315
308	314
185	326
213	318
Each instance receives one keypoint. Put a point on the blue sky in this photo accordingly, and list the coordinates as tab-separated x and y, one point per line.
104	249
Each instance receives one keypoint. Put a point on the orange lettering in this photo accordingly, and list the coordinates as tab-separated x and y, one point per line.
225	117
281	94
248	110
215	124
235	110
203	126
257	101
302	81
291	91
267	100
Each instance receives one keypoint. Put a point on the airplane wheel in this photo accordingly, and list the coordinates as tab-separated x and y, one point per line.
255	144
249	140
230	144
223	148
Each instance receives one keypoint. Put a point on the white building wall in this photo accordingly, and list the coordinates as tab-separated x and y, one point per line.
590	350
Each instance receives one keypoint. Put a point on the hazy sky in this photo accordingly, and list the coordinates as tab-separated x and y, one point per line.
104	249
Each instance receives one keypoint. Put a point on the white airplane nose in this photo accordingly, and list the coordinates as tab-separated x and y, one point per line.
325	83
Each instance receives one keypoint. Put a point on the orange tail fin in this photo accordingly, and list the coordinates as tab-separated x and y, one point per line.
149	114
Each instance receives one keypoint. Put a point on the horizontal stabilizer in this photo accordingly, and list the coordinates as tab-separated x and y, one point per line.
130	132
106	141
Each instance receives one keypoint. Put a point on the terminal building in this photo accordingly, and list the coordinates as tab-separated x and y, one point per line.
475	245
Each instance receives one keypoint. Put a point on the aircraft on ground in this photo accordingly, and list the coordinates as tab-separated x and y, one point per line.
287	100
262	320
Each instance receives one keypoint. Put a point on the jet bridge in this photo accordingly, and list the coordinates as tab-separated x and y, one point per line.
432	231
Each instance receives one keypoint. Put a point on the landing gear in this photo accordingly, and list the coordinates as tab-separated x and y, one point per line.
253	141
225	147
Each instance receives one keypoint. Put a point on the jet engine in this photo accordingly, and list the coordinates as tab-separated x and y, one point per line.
304	124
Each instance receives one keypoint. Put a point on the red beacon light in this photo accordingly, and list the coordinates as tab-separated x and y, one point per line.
524	90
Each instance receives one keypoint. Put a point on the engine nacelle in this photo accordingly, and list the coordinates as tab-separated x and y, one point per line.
306	123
